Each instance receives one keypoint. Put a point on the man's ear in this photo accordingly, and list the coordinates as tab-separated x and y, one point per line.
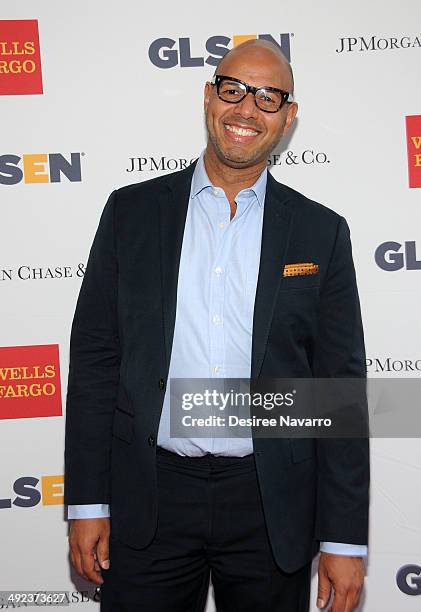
291	113
206	94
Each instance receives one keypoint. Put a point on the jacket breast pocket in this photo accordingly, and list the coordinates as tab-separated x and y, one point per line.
312	281
123	426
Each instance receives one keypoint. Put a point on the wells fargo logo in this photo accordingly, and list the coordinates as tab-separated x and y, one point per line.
20	58
413	138
30	381
39	168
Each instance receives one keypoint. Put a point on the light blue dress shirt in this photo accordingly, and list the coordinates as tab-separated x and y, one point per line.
217	282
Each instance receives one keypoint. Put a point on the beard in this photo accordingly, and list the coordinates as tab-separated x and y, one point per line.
237	156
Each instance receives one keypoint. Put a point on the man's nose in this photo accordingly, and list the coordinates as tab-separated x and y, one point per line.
247	107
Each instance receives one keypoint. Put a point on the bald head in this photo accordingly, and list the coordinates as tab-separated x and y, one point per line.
241	134
263	50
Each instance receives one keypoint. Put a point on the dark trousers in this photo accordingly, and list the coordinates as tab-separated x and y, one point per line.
210	522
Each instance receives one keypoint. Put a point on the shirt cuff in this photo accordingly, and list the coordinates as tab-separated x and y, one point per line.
82	511
339	548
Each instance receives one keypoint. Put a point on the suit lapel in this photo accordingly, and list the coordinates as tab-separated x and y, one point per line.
173	210
277	223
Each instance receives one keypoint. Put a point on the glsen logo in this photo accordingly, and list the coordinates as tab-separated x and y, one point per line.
40	168
377	43
30	382
389	257
28	496
20	58
168	53
408	579
393	365
413	140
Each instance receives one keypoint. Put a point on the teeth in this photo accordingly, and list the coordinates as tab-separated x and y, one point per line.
240	131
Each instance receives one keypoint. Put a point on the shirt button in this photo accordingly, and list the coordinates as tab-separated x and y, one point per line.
216	319
215	191
218	270
151	440
161	384
217	369
221	225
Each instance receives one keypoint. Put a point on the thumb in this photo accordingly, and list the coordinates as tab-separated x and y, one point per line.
102	552
324	588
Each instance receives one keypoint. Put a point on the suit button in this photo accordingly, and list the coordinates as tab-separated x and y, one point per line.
161	384
151	441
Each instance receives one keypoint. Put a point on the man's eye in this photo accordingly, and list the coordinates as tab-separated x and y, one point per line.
232	91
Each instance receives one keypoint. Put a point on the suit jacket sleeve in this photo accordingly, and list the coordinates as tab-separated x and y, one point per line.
343	464
93	372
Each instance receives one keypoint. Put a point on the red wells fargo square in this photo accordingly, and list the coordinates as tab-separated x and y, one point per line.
30	381
20	58
413	138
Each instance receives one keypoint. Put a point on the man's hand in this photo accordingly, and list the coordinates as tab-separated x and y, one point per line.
346	576
88	541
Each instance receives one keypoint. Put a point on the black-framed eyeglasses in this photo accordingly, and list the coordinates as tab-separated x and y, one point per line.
232	90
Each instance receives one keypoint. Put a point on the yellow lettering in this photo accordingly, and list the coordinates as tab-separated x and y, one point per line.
33	168
49	389
27	373
36	373
16	50
417	160
416	141
10	392
22	390
29	66
15	67
34	390
50	371
29	47
4	373
240	38
52	488
6	392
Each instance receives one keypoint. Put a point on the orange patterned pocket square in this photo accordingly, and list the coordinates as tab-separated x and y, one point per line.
300	269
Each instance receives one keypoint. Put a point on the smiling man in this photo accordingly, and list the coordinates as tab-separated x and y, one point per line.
186	279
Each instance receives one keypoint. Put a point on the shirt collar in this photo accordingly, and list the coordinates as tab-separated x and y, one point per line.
201	181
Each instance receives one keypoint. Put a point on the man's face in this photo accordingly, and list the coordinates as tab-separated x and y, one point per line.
226	122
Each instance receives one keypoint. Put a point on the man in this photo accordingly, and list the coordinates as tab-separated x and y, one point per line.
185	279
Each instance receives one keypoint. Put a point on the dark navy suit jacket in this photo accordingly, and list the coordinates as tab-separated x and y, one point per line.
304	326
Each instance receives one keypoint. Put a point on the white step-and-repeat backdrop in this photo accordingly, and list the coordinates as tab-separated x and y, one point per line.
95	95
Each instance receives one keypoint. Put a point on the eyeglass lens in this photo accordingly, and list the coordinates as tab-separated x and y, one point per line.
230	91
